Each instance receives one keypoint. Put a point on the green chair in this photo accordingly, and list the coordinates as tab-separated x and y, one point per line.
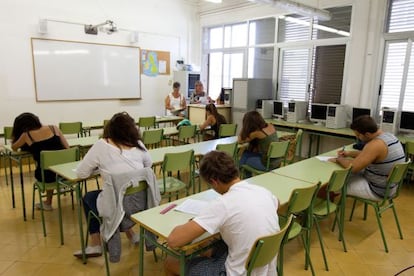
8	132
71	128
173	168
394	181
133	189
147	122
227	130
409	153
186	133
152	138
277	150
295	148
322	208
231	149
299	205
49	158
265	248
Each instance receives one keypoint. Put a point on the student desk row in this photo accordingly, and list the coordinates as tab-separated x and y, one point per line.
162	224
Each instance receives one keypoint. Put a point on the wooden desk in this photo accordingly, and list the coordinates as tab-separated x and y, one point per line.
162	224
197	112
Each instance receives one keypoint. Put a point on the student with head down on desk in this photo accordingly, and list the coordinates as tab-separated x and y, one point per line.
243	213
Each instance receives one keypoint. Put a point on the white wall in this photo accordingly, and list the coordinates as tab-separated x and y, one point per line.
364	50
163	25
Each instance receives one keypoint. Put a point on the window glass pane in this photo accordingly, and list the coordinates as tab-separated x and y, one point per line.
239	35
215	74
227	36
293	28
216	38
401	16
233	68
262	31
260	64
408	103
393	74
293	81
338	26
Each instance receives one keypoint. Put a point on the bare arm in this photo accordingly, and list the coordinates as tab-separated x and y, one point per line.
20	142
184	234
167	103
373	151
62	138
208	122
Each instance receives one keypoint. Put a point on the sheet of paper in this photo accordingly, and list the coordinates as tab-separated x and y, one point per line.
192	206
325	158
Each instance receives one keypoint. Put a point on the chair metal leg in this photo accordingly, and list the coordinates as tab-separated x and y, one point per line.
42	212
396	221
378	216
352	211
365	211
318	231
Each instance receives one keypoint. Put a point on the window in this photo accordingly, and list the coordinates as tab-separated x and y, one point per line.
397	81
239	50
313	73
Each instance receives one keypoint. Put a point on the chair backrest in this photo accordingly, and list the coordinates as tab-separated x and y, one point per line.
409	150
178	161
71	128
277	150
105	122
186	132
301	199
227	130
146	122
55	157
396	177
7	131
152	137
265	248
231	149
298	140
338	180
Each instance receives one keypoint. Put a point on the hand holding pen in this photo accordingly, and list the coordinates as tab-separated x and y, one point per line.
342	152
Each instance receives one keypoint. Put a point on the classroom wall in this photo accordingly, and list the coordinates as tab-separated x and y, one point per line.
163	25
364	50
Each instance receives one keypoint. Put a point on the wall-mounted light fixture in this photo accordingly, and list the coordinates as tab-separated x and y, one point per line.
298	8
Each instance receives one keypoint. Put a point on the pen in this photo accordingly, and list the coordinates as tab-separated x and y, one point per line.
168	208
343	148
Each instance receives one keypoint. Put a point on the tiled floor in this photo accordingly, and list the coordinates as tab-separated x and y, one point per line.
24	250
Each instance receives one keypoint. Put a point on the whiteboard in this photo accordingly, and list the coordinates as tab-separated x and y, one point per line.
69	70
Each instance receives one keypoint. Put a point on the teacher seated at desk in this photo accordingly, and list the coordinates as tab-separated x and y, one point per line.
199	95
242	214
175	102
372	165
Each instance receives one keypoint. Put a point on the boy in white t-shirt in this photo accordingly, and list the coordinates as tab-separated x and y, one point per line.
242	214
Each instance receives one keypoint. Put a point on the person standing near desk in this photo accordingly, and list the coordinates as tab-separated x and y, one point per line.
30	135
175	102
243	213
372	165
199	94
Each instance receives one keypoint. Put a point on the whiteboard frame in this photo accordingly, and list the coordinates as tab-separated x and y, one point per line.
42	97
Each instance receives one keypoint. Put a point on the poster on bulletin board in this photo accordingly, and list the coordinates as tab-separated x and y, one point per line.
154	63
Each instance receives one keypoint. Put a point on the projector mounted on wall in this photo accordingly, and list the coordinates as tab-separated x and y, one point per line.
108	27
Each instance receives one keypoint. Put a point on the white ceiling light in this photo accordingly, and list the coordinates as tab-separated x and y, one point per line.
213	1
298	8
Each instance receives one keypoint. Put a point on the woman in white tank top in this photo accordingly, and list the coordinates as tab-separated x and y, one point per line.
175	102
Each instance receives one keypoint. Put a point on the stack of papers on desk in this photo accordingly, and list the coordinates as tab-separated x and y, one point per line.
324	158
192	206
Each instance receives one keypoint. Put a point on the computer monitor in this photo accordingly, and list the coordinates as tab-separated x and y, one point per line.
407	122
318	113
278	110
359	111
